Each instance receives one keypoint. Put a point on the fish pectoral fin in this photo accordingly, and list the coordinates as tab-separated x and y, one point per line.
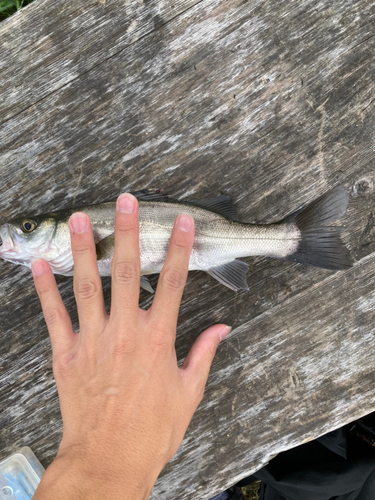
145	284
105	247
222	205
232	274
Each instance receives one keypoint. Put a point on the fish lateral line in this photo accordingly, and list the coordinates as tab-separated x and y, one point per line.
303	237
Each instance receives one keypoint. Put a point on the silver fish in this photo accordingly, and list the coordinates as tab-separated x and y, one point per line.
220	239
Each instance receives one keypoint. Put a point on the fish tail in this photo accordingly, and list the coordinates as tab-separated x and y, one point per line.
321	245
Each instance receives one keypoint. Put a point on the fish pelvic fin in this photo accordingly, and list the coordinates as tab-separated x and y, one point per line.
321	245
145	284
231	274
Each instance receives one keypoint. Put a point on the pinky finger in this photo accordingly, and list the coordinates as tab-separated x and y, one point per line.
55	314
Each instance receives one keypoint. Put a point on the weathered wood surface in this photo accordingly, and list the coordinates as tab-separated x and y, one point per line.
270	102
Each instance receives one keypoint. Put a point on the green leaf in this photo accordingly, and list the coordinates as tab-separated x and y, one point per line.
9	7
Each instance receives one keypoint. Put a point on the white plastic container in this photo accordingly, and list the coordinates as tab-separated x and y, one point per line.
20	475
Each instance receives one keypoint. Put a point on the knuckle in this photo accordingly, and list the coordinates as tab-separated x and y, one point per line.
53	316
179	243
44	289
125	225
160	342
62	364
122	347
211	351
86	289
59	369
125	273
173	279
200	393
82	249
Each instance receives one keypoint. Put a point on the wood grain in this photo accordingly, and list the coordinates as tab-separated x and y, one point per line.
270	102
68	39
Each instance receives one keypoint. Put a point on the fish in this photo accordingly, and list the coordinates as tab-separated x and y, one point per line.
220	239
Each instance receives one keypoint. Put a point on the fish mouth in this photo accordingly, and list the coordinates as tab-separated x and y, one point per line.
6	241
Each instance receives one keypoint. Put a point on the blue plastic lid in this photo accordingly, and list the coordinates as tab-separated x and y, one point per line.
20	475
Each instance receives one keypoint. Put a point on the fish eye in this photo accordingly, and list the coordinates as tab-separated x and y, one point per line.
28	225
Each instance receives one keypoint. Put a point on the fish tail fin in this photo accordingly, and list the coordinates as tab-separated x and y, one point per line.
320	245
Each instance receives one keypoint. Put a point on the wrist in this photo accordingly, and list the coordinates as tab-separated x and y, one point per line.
70	477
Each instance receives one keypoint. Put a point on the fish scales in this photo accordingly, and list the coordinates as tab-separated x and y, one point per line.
219	238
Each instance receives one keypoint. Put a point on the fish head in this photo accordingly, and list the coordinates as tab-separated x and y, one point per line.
47	237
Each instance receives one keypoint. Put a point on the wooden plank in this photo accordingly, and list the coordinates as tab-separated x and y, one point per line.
270	102
147	117
279	380
286	379
63	40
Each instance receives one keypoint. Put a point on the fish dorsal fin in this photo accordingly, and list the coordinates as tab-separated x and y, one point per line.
232	274
222	205
150	195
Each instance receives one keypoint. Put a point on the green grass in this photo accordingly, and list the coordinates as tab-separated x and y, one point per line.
9	7
252	491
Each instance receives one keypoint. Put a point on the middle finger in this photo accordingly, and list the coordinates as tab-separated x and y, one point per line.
126	273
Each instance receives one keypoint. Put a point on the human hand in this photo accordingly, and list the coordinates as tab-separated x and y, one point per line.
125	403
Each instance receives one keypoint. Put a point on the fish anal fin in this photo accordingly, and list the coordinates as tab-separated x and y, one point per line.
231	274
222	205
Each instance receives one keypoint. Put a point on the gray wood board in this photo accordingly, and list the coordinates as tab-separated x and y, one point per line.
270	102
67	40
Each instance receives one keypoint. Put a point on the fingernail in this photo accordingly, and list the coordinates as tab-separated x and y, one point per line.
37	267
224	332
185	223
126	203
79	222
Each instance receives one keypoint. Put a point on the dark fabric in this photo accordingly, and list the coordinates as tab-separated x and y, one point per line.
336	442
337	466
230	494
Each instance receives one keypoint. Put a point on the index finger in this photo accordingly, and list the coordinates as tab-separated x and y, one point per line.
54	311
172	280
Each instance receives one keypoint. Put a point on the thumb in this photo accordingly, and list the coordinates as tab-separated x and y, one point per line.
197	363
